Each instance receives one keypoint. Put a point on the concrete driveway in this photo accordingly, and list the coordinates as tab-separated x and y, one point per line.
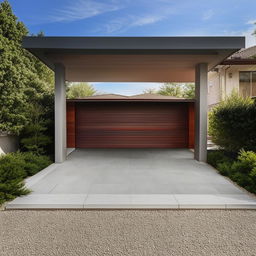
132	178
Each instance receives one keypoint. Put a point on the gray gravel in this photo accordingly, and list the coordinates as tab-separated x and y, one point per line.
162	232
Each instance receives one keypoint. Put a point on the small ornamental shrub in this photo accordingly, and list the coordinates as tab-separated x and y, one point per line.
12	173
35	163
14	167
242	170
232	124
215	157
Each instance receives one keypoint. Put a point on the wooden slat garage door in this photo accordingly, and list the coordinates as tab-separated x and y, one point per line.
131	125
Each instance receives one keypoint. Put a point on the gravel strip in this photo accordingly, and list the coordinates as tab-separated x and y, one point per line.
128	232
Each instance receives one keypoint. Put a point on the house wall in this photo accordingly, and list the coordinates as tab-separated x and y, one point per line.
8	143
224	81
214	88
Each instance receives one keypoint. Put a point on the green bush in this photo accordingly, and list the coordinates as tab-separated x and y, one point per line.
35	163
33	137
14	167
215	157
242	171
232	124
12	173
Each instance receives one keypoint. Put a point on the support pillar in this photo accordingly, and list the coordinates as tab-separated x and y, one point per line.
201	112
60	114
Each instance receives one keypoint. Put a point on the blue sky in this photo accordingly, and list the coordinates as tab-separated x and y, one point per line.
137	18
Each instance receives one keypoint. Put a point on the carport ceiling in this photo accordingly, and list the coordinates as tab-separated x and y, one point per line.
132	59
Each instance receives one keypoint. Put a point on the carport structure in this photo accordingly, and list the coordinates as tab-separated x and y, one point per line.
132	59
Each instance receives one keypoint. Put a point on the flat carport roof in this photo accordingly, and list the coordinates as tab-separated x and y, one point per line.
132	59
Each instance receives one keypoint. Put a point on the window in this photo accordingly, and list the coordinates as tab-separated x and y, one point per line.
247	83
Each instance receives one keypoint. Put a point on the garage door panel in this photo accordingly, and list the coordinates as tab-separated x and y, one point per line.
134	142
138	125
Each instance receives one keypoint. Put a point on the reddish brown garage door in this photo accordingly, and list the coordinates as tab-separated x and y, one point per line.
131	125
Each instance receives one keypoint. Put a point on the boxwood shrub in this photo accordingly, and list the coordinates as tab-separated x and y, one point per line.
232	124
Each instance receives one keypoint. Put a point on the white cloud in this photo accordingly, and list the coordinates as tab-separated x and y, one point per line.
160	10
251	22
141	21
116	25
124	23
250	39
208	15
83	9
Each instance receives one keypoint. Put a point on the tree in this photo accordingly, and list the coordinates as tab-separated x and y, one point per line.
150	91
12	65
171	89
174	89
80	90
33	136
189	91
23	78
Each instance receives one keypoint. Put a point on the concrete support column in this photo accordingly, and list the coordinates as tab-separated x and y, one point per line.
201	112
60	114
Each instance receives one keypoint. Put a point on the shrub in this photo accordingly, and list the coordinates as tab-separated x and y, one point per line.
12	173
232	124
242	171
215	157
33	137
35	163
224	167
14	167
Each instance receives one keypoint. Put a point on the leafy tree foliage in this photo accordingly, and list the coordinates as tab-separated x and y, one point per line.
23	78
175	90
33	135
150	91
171	89
80	90
189	91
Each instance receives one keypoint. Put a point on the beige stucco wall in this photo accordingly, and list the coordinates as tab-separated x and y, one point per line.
222	83
214	88
8	143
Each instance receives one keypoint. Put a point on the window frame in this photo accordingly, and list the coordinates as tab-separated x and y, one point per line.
250	82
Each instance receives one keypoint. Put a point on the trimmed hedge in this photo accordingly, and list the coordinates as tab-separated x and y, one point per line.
232	124
14	167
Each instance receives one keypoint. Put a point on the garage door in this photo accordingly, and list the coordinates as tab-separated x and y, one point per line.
131	125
